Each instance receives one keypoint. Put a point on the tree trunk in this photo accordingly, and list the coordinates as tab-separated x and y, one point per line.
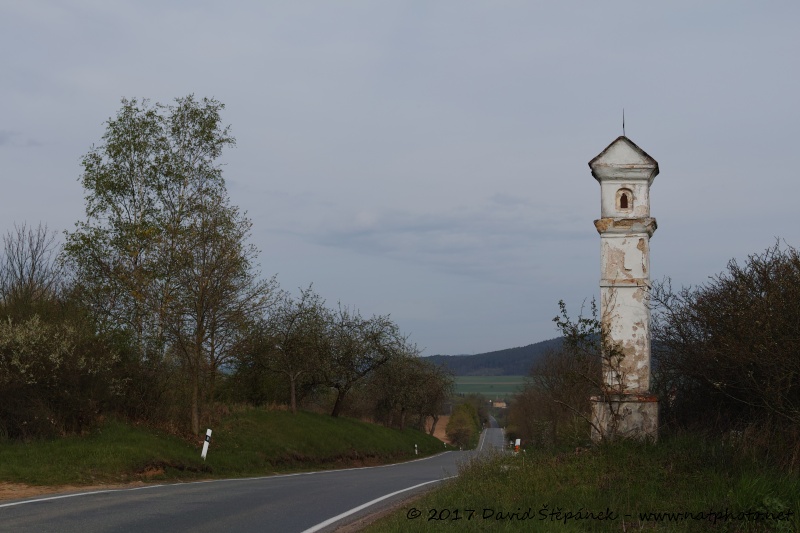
433	426
196	368
211	383
339	400
292	394
195	403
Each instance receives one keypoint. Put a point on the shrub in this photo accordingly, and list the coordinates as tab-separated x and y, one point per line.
54	376
727	352
464	426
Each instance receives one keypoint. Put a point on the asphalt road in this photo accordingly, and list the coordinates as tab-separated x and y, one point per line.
318	501
492	438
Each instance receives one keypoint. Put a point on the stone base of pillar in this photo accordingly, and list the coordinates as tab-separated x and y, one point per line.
632	416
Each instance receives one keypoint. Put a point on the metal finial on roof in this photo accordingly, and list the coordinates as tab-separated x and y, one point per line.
623	122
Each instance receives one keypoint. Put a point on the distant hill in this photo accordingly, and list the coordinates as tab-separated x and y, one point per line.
508	362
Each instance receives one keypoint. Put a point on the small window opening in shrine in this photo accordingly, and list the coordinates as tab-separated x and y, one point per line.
624	200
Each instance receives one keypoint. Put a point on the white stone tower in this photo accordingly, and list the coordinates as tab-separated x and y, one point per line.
627	408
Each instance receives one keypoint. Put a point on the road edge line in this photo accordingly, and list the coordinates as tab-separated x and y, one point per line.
76	494
354	510
185	483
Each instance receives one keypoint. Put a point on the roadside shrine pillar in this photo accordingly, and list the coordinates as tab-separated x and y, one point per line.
626	408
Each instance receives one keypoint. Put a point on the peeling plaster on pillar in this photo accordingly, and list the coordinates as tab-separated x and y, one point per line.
625	227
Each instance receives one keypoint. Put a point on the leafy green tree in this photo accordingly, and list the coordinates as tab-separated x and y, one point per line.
217	295
116	252
464	426
162	255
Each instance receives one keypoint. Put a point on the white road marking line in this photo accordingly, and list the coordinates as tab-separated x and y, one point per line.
61	496
336	518
77	494
482	440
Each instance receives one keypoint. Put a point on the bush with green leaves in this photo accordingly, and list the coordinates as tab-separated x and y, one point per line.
464	426
54	377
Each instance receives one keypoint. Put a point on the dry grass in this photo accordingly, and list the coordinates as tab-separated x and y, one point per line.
440	428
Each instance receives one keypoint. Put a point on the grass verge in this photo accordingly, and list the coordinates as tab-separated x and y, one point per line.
246	443
694	485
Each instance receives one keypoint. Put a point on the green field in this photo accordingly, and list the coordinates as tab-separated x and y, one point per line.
493	387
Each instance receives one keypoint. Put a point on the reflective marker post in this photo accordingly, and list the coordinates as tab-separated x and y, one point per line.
205	444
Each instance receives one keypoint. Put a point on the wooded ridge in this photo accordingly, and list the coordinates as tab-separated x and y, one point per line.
509	362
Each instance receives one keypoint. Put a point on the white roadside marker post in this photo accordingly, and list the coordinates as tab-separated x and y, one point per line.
416	451
205	444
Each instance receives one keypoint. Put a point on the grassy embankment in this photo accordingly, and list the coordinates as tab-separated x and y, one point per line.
678	475
250	442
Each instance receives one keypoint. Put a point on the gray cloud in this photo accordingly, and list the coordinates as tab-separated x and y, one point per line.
14	138
495	241
6	137
440	145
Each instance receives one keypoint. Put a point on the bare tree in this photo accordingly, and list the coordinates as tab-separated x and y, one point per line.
357	347
437	389
293	338
557	397
405	386
29	270
557	393
217	294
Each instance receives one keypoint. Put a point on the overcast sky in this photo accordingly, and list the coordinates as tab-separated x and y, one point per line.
428	159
